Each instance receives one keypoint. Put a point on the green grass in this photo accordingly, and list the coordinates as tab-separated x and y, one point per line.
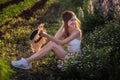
4	1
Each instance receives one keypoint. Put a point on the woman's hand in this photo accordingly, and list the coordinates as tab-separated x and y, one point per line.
43	34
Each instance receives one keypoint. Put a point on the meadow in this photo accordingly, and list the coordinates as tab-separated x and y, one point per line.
100	56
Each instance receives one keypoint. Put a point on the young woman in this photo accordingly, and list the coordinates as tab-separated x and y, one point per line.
69	34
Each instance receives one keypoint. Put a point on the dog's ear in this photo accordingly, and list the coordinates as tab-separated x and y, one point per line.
41	26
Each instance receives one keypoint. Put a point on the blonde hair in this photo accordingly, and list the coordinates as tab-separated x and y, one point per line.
37	41
66	16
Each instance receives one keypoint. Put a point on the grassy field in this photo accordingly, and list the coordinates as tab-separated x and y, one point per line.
100	58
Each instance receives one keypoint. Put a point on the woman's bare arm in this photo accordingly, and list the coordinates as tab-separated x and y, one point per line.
60	32
61	42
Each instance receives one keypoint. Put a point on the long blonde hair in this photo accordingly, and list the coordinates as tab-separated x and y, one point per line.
66	16
36	41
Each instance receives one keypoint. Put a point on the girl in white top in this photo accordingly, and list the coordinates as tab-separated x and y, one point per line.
70	31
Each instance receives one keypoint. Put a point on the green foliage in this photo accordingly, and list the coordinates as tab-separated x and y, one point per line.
14	10
5	70
90	22
106	35
77	3
45	10
4	1
89	65
67	5
100	56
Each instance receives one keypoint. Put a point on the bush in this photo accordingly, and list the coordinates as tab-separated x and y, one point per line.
100	56
107	35
5	70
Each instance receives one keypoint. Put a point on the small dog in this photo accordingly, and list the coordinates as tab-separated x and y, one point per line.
36	41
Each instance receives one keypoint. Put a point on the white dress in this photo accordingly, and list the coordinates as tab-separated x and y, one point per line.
74	45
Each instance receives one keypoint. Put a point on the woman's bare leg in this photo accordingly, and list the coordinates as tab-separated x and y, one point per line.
58	50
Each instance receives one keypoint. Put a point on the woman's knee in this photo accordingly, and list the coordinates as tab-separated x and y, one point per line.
53	44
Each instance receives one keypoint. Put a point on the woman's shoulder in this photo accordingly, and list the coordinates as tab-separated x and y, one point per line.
78	31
